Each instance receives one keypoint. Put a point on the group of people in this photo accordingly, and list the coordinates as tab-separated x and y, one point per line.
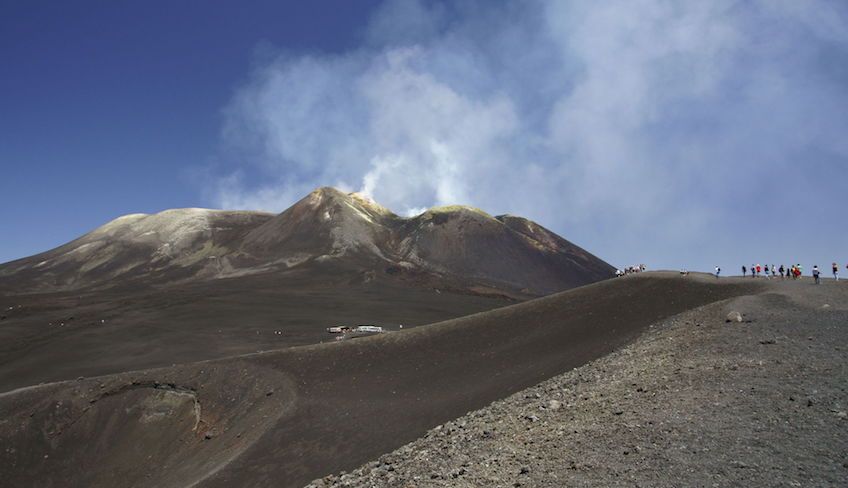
795	271
638	268
769	271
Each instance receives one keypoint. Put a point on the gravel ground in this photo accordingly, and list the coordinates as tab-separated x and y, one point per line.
696	401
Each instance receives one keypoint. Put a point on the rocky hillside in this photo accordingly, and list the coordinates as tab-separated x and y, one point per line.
174	244
461	246
285	417
699	400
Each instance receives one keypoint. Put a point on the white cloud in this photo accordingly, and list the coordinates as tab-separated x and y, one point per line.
598	119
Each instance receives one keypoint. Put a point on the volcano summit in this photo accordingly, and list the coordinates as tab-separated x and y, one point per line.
458	246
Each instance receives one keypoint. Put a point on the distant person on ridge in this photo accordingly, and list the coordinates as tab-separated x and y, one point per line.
744	271
835	272
766	271
816	274
781	269
717	271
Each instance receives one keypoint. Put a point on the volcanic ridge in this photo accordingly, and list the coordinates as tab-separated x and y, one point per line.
458	245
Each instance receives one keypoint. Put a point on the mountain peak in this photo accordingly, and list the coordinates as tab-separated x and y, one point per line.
465	210
356	200
327	192
459	244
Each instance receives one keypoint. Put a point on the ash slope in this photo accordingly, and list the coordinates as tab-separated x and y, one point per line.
457	246
50	337
695	401
287	417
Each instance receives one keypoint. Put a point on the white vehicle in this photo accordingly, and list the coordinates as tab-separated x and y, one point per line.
340	329
368	328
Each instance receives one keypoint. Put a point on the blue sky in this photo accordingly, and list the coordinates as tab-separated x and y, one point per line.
678	134
109	108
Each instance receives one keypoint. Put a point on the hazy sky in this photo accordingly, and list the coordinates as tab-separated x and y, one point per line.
677	134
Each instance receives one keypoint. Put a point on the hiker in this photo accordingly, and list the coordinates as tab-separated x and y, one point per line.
766	271
781	271
759	269
835	272
816	274
744	271
717	271
773	273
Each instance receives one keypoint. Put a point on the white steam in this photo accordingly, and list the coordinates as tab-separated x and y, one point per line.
601	120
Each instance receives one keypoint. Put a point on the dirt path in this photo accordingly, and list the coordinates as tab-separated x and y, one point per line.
696	401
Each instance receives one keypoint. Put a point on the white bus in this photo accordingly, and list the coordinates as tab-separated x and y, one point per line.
368	328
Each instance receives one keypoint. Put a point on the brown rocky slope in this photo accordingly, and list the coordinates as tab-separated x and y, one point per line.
286	417
458	245
696	401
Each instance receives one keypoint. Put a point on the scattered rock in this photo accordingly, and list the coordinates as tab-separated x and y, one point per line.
554	405
767	341
734	317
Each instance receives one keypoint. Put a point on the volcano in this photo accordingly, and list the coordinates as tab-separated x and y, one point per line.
457	246
195	284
